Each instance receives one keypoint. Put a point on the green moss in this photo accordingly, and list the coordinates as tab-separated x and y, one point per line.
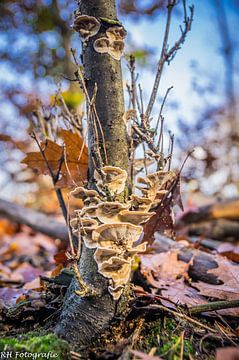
165	336
32	343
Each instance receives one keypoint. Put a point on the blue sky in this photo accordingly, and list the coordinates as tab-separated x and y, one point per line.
202	45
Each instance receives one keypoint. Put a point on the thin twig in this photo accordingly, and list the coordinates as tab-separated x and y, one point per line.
162	59
170	153
212	306
182	316
161	110
167	55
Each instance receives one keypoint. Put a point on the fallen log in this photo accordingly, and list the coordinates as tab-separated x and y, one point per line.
35	220
227	209
220	229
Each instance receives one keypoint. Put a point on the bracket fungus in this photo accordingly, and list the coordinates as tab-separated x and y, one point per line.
113	178
112	43
140	203
108	212
118	234
101	45
116	33
86	26
83	225
82	193
116	49
135	217
113	228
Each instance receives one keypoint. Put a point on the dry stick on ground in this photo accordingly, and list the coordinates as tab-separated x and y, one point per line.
167	55
180	315
212	306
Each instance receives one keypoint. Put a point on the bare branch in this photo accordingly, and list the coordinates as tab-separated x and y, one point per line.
168	55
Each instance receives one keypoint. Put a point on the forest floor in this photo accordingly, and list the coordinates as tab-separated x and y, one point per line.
184	302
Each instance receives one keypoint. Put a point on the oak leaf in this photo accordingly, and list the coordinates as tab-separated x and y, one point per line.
67	167
162	269
180	293
228	273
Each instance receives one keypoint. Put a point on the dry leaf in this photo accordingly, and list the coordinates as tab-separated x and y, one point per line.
162	269
229	250
76	159
163	220
228	273
139	355
227	353
181	294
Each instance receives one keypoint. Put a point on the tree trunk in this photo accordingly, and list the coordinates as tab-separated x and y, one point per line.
83	319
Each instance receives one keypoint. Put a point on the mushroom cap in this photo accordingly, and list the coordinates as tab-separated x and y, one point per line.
116	49
87	26
101	45
116	292
88	211
135	217
83	225
117	269
140	203
104	254
161	178
108	212
119	234
155	182
92	201
116	33
82	193
137	249
115	179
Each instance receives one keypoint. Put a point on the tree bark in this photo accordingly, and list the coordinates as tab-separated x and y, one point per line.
83	319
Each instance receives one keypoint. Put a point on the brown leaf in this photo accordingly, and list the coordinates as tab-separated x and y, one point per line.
228	273
181	294
139	355
162	269
163	220
229	250
76	159
227	353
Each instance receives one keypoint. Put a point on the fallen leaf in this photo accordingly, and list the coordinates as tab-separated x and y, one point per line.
228	273
181	294
229	250
74	169
161	269
10	295
142	356
227	353
163	220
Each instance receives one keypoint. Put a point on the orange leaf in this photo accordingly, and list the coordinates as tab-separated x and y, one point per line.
71	167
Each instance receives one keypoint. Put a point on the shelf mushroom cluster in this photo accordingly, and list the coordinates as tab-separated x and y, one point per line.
113	228
112	42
